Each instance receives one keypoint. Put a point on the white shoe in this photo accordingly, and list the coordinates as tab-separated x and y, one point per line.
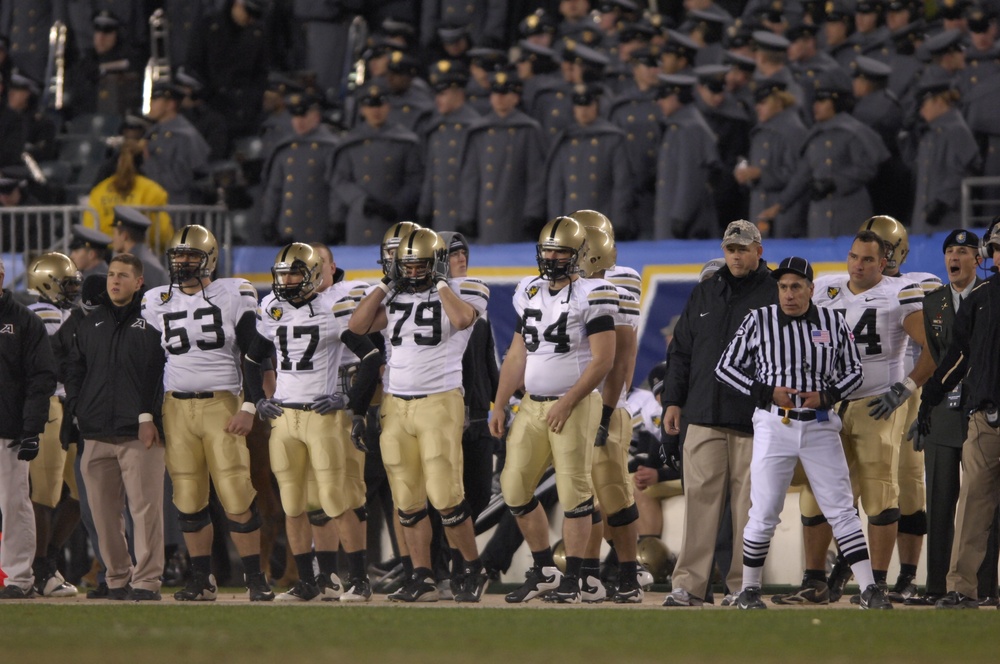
592	590
360	591
57	586
681	597
729	600
330	587
643	576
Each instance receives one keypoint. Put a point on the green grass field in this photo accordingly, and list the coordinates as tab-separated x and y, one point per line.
82	633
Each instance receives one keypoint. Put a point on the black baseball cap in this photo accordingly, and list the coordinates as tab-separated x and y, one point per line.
794	265
961	238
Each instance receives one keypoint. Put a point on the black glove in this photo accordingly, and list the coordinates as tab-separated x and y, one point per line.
602	436
68	432
268	409
822	188
358	427
920	428
671	452
934	212
883	406
27	446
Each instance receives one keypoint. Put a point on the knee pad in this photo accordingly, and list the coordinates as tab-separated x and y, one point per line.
319	518
624	517
885	517
192	523
411	519
913	524
524	509
813	520
456	516
586	508
361	513
252	524
595	517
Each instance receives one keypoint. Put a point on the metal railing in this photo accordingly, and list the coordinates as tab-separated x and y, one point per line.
215	218
980	201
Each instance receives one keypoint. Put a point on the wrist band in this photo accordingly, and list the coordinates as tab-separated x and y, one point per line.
440	282
909	385
248	407
145	417
383	286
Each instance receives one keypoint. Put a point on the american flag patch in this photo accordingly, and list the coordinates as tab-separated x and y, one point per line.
821	336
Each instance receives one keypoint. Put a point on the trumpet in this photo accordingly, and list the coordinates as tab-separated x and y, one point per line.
158	65
55	68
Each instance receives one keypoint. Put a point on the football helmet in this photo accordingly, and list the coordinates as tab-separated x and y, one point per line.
594	219
56	279
600	253
654	555
895	237
297	259
559	555
193	239
422	250
389	243
560	234
991	239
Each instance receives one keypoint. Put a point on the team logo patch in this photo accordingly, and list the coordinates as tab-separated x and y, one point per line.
275	312
820	336
165	297
532	291
7	329
832	292
140	323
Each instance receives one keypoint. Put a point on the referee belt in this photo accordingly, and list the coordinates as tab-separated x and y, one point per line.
194	395
800	415
538	397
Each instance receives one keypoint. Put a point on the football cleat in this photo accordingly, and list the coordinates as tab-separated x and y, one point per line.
592	590
839	576
258	588
55	586
927	599
474	583
681	597
750	599
643	576
120	594
302	591
568	591
903	590
729	600
330	587
812	591
359	590
956	600
417	589
538	580
989	601
629	592
874	597
856	599
200	588
141	595
16	592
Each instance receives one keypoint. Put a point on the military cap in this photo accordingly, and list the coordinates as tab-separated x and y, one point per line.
585	95
255	7
188	80
372	95
871	68
741	62
392	27
771	11
105	21
979	19
832	84
800	30
899	5
607	6
934	80
531	51
90	238
952	9
167	90
378	46
944	42
768	87
672	84
450	33
589	35
794	265
537	23
9	184
136	122
768	41
490	59
868	7
738	35
639	31
19	81
680	44
283	84
909	33
586	56
647	55
712	77
961	238
446	74
708	16
402	62
741	232
503	82
128	216
838	10
659	22
300	103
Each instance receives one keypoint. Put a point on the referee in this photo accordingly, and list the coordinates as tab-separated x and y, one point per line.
796	360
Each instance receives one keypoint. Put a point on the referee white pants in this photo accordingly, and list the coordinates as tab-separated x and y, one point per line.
776	449
17	549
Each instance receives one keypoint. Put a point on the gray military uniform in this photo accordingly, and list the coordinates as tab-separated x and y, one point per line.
412	109
440	198
685	205
27	23
176	153
775	147
947	153
638	115
487	19
153	272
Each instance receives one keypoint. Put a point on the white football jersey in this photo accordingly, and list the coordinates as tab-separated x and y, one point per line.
627	278
53	317
646	411
198	333
307	339
626	316
356	290
426	356
876	320
928	282
554	328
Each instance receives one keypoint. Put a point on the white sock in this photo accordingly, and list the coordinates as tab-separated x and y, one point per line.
863	573
752	576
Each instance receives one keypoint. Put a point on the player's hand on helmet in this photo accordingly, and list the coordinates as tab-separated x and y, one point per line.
358	428
883	406
327	403
441	268
268	409
27	446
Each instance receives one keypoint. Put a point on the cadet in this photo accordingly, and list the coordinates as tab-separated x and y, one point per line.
678	54
771	55
409	98
869	37
297	197
483	63
806	60
376	170
538	70
175	153
836	30
107	78
128	236
88	248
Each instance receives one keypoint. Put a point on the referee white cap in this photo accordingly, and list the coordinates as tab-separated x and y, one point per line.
794	265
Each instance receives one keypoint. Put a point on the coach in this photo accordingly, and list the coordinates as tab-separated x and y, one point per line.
114	387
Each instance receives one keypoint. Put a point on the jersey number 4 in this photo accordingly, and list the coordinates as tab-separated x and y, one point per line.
428	314
179	332
866	336
555	334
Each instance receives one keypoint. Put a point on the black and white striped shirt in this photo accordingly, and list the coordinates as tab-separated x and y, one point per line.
814	352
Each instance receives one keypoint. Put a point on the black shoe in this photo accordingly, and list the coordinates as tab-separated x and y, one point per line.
629	592
140	595
956	600
750	599
903	590
417	589
875	597
15	592
474	585
812	591
568	591
302	591
358	590
538	581
100	592
989	601
927	599
120	594
839	576
200	588
258	588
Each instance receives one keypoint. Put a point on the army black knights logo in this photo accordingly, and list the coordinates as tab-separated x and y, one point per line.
532	291
165	297
275	312
832	292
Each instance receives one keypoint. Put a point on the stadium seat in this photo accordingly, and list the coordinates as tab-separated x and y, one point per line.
78	151
57	173
94	124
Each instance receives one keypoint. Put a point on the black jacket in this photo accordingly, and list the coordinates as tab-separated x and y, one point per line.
115	371
27	370
480	375
711	317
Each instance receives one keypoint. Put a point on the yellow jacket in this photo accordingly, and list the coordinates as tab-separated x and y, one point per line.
145	192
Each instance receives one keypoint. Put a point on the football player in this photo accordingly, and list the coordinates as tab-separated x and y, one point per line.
563	348
314	424
205	326
428	319
56	280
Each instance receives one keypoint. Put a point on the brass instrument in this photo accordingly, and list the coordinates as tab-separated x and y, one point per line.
354	64
158	65
36	172
55	68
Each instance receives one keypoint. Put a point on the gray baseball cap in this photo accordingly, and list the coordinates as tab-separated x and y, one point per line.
740	231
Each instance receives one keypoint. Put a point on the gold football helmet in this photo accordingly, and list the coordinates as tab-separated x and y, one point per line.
654	555
600	253
297	260
192	240
389	243
594	219
559	555
417	255
560	234
895	237
56	279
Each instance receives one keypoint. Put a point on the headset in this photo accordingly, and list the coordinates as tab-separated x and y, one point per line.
986	249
